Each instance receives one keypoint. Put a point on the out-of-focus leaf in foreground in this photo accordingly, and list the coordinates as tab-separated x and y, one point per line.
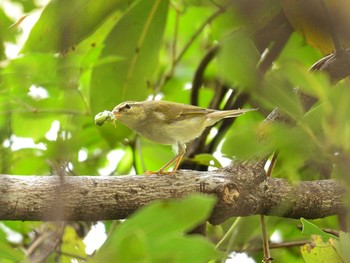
157	234
65	23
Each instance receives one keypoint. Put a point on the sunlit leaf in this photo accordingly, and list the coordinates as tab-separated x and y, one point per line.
207	159
296	50
5	34
65	23
72	244
319	251
7	252
152	156
125	164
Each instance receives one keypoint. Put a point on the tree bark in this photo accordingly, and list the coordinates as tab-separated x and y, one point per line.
242	189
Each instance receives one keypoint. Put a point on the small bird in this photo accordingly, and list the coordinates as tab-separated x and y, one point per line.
167	123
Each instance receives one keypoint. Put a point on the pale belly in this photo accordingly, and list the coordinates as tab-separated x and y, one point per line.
173	133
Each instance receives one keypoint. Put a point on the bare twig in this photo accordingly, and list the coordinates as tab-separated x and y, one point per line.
198	78
265	241
231	234
198	31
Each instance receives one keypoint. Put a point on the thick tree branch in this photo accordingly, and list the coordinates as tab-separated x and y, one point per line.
242	189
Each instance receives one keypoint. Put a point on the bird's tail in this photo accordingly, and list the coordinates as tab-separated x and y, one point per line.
228	113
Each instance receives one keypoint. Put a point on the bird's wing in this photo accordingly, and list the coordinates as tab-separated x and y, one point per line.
193	111
173	112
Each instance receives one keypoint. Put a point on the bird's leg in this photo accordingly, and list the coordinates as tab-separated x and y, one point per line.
177	159
162	170
182	150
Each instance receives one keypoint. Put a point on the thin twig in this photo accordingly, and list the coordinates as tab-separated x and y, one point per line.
196	34
228	233
288	244
198	78
174	44
239	102
86	104
267	256
137	149
265	240
272	163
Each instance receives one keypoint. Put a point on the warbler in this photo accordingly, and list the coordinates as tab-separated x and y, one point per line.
167	122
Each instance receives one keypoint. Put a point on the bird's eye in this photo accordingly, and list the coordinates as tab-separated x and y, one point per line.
124	107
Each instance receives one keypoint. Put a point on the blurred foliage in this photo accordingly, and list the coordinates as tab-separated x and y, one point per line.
82	57
155	234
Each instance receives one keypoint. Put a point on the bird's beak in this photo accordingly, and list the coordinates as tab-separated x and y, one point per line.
116	113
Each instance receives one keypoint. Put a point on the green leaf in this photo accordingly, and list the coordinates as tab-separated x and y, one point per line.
37	69
324	247
136	40
319	251
278	91
311	229
5	34
188	249
22	227
28	162
126	78
7	252
125	164
156	234
296	50
238	59
72	244
242	140
207	159
65	23
342	246
152	156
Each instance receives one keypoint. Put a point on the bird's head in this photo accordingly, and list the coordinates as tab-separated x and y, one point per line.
130	113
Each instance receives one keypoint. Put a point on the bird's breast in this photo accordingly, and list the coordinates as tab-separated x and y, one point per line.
172	133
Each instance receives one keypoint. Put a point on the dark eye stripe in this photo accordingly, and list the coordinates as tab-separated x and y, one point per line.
125	107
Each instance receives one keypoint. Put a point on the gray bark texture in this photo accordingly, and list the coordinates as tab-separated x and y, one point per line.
242	189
